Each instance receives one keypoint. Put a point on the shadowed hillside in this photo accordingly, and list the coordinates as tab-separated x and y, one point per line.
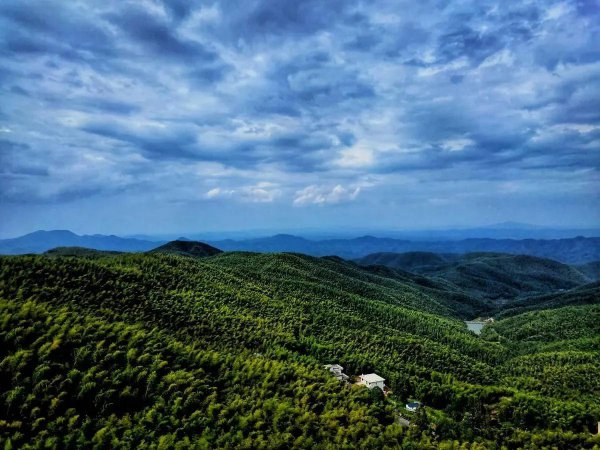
79	251
582	295
488	275
591	270
187	248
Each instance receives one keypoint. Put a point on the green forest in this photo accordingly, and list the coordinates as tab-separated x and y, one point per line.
167	350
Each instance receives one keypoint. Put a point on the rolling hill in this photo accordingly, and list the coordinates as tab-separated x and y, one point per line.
417	262
581	295
487	275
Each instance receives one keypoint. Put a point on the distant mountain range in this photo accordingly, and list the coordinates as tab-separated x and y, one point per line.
42	241
504	230
579	250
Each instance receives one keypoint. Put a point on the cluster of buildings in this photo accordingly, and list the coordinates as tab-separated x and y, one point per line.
337	371
369	380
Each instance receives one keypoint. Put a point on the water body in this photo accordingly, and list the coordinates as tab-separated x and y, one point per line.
475	327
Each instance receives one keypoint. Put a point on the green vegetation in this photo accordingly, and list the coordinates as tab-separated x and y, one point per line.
166	351
587	294
494	276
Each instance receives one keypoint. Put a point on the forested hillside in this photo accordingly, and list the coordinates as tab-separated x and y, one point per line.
591	270
582	295
160	350
487	275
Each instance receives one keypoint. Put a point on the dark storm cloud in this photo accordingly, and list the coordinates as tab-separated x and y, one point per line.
340	99
154	143
63	30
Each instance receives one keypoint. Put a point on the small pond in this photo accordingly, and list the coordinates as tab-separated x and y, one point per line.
475	327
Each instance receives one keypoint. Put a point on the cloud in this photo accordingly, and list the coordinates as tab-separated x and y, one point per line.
323	195
179	101
262	192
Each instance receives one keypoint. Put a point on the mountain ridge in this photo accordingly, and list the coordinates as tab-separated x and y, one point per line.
579	250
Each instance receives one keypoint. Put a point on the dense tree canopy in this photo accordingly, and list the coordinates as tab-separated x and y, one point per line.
167	351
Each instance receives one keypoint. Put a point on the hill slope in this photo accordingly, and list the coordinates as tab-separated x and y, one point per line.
591	270
583	295
488	275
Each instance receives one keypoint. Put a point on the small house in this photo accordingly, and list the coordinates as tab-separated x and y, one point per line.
372	380
413	406
337	371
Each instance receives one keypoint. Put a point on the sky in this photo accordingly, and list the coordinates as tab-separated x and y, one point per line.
179	116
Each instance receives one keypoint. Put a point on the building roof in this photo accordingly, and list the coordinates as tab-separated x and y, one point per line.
372	378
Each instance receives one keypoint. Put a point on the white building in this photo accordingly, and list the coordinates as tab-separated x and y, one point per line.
337	371
372	380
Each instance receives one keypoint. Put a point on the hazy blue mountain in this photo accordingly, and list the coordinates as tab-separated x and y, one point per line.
41	241
579	250
504	230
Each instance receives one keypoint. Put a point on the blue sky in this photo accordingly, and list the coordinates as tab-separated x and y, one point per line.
156	117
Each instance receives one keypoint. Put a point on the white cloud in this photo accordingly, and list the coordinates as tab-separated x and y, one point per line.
321	195
263	192
213	193
356	157
456	145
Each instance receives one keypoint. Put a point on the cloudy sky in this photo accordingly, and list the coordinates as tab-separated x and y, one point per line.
156	117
